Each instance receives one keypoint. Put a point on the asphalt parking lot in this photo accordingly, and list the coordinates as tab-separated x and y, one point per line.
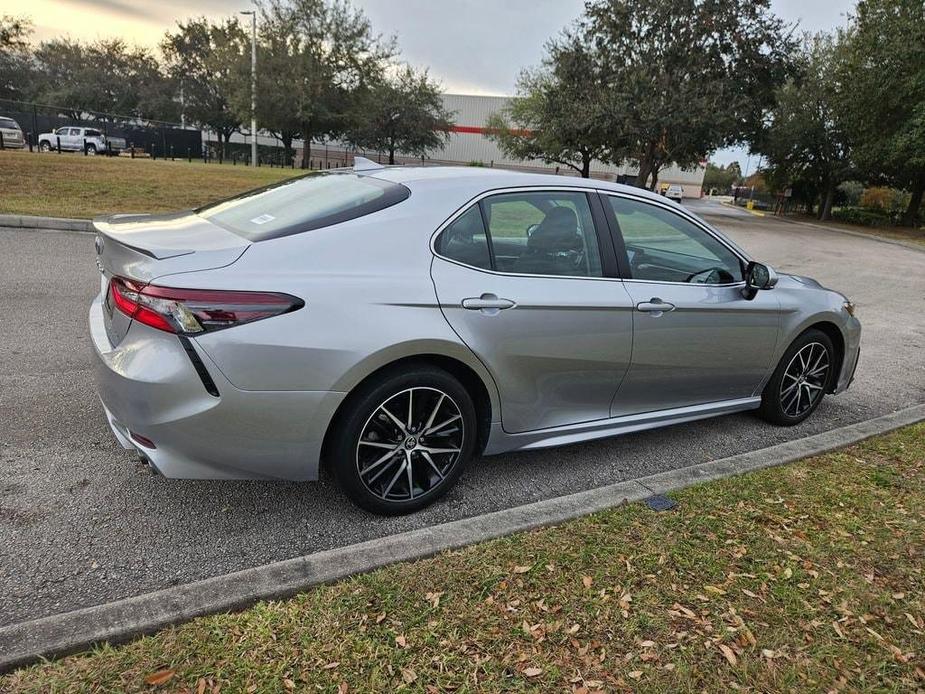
82	523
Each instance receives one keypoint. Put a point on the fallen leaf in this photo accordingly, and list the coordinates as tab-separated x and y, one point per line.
288	683
727	653
158	678
587	581
201	686
409	675
635	674
522	569
768	653
401	641
533	671
331	666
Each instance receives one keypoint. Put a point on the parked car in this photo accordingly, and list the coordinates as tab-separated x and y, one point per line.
13	137
394	322
674	192
78	139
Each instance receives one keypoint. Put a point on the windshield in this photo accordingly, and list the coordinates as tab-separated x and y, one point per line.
8	123
302	204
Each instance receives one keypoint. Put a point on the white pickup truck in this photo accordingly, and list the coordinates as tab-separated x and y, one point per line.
76	139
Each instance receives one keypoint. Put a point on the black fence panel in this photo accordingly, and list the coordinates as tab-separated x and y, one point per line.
154	137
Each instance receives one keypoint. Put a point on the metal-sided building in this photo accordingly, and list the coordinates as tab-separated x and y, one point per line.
468	144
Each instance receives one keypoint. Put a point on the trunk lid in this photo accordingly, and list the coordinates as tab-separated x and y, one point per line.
144	247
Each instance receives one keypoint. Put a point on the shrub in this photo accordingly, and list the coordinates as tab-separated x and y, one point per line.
864	216
878	198
849	193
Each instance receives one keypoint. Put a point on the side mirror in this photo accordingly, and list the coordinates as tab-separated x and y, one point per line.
757	277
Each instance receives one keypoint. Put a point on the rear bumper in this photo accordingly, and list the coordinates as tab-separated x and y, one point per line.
149	386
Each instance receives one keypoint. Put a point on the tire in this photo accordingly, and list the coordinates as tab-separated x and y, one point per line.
91	150
800	381
44	147
376	422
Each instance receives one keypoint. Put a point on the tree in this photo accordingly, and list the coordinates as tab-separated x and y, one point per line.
722	177
209	61
106	76
15	66
314	58
884	105
806	137
403	113
683	77
559	115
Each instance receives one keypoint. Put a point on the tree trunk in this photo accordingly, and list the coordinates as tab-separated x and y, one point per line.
645	164
391	154
586	165
287	146
306	145
915	202
825	211
226	138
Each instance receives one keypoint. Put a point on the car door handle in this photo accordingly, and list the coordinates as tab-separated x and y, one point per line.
487	303
655	307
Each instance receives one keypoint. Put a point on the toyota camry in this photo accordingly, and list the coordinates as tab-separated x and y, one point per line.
391	323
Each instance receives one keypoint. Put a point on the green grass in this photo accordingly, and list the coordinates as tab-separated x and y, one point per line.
808	577
71	185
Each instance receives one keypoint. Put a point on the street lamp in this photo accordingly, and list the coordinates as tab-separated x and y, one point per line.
253	15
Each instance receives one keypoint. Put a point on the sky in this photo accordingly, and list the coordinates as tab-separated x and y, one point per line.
470	46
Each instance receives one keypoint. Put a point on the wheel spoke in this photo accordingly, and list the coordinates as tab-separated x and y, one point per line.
373	466
812	386
433	415
430	461
438	450
401	469
410	468
410	410
438	427
821	369
395	420
378	444
789	389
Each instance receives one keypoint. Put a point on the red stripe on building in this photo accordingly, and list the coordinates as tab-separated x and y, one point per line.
475	130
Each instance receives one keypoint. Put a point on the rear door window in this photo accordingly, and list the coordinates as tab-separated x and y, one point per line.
302	204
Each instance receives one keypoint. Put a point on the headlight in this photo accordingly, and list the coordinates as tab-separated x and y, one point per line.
849	307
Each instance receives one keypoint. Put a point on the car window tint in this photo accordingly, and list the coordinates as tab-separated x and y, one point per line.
302	204
93	133
75	131
543	233
465	240
664	247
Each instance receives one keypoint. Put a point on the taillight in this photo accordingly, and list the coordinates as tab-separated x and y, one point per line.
194	311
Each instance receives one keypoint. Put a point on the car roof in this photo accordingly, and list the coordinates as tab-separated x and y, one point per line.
469	177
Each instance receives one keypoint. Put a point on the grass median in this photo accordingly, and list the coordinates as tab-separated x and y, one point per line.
71	185
807	577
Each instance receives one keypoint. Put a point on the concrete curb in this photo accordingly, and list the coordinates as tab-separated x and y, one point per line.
123	620
15	221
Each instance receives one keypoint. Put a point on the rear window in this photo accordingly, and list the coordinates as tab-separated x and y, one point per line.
92	133
301	204
8	123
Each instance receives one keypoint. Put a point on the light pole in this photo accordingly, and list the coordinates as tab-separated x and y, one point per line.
253	15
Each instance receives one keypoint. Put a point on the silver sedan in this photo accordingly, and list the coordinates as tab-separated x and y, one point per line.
393	322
